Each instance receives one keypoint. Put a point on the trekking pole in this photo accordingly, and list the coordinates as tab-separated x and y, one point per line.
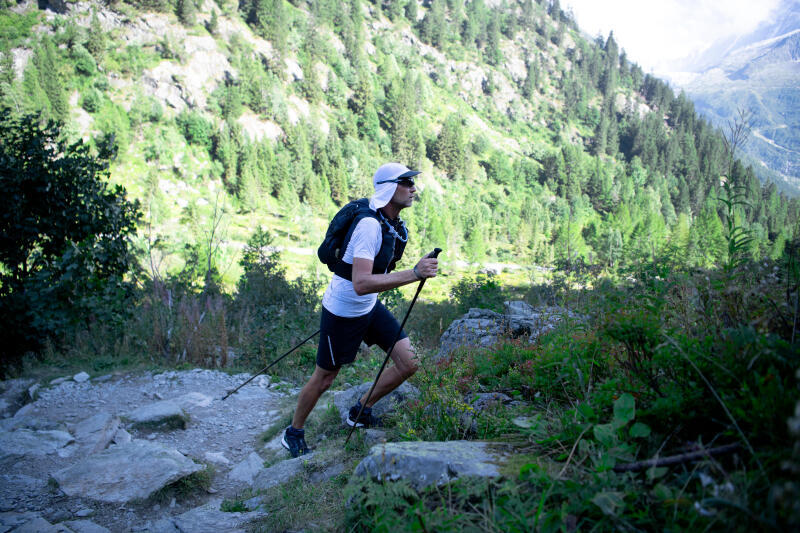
270	365
434	254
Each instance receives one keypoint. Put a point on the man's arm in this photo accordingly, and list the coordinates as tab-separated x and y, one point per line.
365	282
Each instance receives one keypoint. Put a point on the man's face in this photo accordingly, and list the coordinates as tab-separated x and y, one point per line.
404	194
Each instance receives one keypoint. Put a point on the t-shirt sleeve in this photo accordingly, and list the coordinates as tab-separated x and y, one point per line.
366	239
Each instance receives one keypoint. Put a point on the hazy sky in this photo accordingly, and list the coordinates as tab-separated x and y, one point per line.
656	32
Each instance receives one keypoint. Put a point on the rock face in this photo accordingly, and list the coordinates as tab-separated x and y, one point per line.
13	395
247	469
427	463
125	472
344	400
164	414
482	327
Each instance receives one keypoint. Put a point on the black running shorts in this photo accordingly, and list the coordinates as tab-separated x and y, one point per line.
340	337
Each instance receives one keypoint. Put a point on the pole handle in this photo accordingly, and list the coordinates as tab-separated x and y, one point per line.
435	253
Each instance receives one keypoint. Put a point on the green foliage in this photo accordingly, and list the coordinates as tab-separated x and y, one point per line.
195	128
65	236
480	291
16	27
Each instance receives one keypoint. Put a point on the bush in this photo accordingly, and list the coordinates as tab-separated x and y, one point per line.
195	128
480	291
92	101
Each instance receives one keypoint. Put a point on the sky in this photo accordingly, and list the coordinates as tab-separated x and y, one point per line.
656	33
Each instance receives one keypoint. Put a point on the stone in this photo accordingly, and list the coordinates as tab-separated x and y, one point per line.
344	400
33	389
208	517
279	473
37	525
374	436
26	442
193	399
85	526
97	432
482	328
426	463
122	436
159	415
81	377
125	472
327	473
482	400
217	458
83	513
58	381
247	469
13	395
253	504
12	519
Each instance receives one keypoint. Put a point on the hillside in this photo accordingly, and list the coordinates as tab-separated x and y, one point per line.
536	145
757	73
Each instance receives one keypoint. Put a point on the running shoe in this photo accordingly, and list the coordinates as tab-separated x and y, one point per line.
294	441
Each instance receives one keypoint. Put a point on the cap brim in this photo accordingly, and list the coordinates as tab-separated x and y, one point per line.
409	174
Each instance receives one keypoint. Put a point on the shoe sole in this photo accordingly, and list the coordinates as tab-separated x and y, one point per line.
355	424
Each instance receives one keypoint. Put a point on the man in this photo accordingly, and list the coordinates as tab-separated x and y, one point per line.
351	312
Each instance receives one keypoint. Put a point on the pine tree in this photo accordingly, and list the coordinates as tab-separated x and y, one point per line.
96	43
187	12
213	23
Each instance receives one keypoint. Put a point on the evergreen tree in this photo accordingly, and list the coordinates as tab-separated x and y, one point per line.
187	12
213	23
450	147
96	42
411	11
271	22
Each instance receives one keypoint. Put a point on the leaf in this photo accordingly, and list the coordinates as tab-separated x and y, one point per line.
624	410
586	411
606	461
639	430
662	492
656	472
605	434
608	501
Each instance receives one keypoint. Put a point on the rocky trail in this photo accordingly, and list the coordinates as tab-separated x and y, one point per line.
89	454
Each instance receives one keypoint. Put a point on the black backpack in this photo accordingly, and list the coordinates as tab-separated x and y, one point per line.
341	229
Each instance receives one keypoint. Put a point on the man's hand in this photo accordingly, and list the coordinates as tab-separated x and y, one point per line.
427	267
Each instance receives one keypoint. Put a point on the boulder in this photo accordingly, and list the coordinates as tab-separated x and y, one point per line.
344	400
10	520
38	525
81	377
125	472
26	442
279	473
96	432
160	415
425	463
247	469
482	327
13	395
206	518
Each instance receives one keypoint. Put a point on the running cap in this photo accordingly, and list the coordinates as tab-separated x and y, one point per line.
385	182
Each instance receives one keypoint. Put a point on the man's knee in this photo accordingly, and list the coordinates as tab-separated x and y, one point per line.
406	362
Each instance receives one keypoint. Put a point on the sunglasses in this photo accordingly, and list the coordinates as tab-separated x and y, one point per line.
406	182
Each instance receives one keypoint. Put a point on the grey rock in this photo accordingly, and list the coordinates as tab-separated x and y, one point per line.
426	463
85	526
12	519
247	469
83	513
38	525
13	395
254	504
374	436
28	422
344	400
81	377
95	423
59	381
327	473
207	518
33	389
217	458
25	410
279	473
125	472
122	436
159	415
482	327
26	442
482	400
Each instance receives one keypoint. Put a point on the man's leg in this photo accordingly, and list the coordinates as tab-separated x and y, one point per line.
405	365
320	381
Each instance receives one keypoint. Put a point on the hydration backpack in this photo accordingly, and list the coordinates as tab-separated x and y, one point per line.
340	230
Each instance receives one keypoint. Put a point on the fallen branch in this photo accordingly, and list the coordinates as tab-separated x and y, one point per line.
677	459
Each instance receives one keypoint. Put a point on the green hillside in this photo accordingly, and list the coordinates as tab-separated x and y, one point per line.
536	146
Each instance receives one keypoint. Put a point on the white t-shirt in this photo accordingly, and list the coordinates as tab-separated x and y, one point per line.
340	298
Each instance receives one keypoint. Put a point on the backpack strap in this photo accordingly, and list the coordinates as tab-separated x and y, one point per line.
393	240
